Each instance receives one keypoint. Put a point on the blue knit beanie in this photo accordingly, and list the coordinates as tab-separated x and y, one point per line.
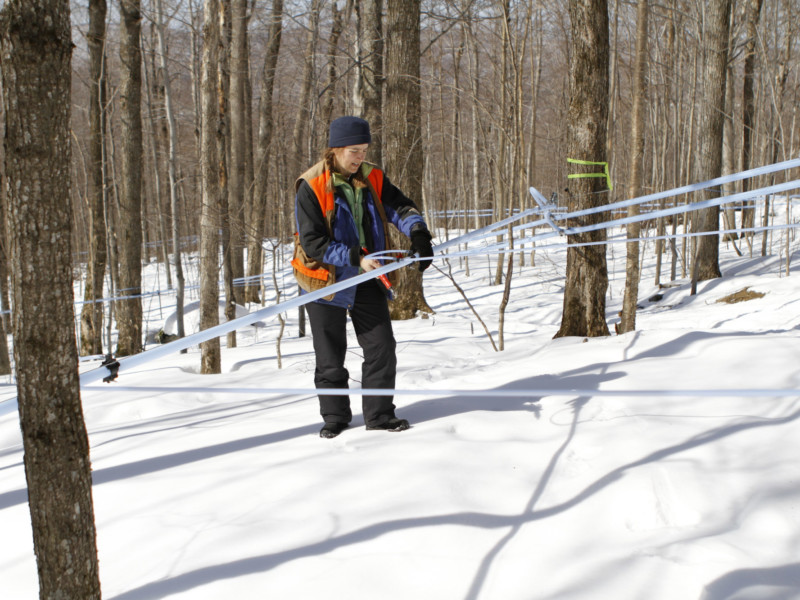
348	131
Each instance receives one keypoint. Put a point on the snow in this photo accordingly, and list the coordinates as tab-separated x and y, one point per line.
209	491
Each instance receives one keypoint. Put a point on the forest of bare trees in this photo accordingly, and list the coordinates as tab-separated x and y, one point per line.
492	115
173	131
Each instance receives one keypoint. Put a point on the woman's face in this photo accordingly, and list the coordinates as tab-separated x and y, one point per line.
349	158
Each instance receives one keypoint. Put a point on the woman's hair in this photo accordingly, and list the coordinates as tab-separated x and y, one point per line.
358	180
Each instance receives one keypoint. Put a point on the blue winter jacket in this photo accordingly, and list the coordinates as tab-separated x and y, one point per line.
340	248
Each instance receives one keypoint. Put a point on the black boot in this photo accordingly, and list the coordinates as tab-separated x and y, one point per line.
393	424
331	430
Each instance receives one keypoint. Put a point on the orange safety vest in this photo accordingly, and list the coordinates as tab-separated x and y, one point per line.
310	273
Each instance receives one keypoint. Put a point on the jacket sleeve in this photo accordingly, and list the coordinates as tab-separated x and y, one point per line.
313	232
400	209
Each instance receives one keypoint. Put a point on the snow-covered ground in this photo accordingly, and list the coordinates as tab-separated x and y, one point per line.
211	491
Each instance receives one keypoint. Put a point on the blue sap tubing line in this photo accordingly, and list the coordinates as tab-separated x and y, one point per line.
131	362
219	330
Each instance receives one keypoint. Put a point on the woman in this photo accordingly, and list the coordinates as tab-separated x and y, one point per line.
341	208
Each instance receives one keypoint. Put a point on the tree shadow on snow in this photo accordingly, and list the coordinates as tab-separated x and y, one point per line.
775	583
442	408
176	459
265	562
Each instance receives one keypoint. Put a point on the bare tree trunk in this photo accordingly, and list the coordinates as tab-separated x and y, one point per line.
632	274
402	142
709	163
172	162
150	86
506	293
224	149
196	74
210	359
729	159
304	111
537	55
237	167
5	321
36	47
5	239
587	274
671	68
500	180
92	311
752	16
329	92
129	309
369	65
5	360
474	113
111	215
255	251
778	90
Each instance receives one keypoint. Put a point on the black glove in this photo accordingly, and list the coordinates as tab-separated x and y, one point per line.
421	245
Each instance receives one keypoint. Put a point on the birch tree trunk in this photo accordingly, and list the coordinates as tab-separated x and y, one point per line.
36	45
129	309
587	273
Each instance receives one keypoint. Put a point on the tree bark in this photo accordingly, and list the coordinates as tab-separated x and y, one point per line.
632	275
237	169
777	142
304	111
255	251
210	359
587	273
369	74
36	71
402	140
729	158
5	239
752	16
92	311
150	83
172	170
224	149
129	309
329	92
474	76
709	162
5	321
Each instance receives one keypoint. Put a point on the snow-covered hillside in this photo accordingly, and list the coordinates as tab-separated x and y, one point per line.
207	488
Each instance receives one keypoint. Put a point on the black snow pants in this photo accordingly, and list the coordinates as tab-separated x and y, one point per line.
373	327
